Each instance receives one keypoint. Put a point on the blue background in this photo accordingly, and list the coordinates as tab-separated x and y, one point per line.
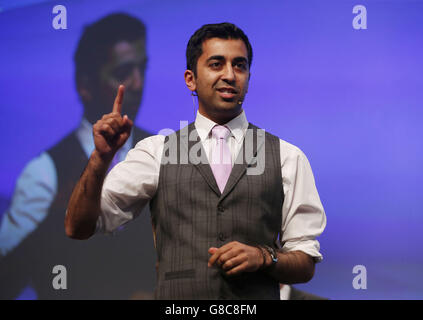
350	99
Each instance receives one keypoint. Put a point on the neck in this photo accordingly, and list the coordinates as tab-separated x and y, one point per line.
220	117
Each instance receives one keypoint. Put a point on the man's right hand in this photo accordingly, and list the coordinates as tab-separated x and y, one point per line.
112	131
84	208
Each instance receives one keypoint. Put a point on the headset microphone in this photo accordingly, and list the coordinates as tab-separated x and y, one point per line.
194	94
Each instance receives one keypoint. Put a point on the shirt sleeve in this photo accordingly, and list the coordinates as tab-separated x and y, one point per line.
35	190
130	185
303	216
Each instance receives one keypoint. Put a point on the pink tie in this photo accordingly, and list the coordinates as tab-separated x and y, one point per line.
221	156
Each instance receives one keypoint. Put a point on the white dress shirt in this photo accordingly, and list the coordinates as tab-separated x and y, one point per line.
132	183
36	189
284	292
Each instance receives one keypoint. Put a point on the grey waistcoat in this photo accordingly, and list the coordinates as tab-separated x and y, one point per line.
190	215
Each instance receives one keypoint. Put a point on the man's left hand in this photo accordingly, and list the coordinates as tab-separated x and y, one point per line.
235	258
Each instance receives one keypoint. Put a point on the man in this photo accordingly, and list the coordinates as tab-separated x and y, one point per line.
216	221
110	51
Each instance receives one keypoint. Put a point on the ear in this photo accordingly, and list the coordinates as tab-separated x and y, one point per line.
190	80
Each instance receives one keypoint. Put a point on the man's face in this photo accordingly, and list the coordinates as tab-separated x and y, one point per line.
222	78
126	65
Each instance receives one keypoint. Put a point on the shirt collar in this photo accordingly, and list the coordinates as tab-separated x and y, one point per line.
237	126
85	136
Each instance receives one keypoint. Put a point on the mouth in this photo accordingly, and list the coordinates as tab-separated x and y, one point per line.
227	92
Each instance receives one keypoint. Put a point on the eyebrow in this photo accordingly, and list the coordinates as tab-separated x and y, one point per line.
216	58
240	59
220	58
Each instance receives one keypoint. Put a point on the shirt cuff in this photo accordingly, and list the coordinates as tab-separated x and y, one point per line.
310	247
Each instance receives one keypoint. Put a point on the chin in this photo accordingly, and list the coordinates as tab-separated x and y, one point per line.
228	112
229	106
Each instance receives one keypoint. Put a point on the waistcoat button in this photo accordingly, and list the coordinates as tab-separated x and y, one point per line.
222	237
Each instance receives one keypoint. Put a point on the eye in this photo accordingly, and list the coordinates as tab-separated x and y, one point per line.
241	65
215	64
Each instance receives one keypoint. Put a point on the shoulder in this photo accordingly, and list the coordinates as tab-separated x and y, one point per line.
40	168
140	134
152	142
288	149
291	153
295	165
38	180
151	146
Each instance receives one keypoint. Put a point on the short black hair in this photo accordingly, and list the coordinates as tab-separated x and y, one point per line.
93	47
223	30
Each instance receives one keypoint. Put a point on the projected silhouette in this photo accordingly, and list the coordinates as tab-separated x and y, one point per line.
32	236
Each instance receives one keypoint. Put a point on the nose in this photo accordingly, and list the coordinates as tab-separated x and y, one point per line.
228	74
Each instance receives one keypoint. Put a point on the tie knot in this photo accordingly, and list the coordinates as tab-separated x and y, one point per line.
220	132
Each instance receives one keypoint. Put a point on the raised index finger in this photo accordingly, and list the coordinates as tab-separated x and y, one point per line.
117	106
